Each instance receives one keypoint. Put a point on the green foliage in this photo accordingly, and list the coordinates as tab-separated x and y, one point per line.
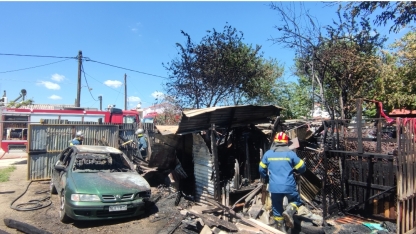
220	70
294	97
400	12
20	104
339	59
5	173
396	85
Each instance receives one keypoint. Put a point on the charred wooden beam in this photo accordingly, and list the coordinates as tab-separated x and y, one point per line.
372	197
23	227
211	221
214	150
263	227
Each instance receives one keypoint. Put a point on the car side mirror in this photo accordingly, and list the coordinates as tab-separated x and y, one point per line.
60	167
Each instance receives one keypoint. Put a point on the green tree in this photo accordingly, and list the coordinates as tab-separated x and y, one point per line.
220	70
341	60
400	12
294	97
396	86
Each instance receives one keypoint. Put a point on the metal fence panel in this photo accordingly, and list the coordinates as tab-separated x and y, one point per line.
41	165
46	141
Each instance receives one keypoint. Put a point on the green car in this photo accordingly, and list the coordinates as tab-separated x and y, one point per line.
97	182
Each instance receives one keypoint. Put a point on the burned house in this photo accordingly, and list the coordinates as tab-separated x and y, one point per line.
359	170
219	148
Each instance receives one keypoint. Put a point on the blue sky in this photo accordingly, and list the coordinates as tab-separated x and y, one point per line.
134	35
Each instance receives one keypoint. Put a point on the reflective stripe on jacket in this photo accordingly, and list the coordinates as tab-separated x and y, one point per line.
278	164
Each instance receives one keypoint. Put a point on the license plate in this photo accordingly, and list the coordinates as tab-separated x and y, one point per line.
118	208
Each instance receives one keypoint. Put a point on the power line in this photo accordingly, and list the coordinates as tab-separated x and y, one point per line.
34	66
76	57
102	83
90	60
85	78
38	56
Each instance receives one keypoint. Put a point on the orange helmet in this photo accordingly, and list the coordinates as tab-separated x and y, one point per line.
281	137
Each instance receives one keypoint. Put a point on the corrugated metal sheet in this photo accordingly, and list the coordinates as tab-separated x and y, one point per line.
46	141
203	164
52	138
40	165
201	119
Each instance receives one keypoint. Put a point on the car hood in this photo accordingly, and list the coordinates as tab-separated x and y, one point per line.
109	182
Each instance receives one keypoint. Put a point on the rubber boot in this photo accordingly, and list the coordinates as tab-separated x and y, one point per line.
280	225
288	215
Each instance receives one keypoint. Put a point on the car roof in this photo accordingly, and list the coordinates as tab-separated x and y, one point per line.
96	149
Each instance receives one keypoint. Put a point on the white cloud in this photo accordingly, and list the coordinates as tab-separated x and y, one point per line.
135	28
55	97
157	94
58	78
134	99
49	85
113	83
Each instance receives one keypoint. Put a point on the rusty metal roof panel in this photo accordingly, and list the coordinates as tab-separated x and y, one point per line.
167	129
96	149
201	119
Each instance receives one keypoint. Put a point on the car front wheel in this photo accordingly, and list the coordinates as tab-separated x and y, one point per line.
62	213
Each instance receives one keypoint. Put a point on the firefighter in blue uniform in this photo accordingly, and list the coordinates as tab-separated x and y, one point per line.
277	166
79	137
141	143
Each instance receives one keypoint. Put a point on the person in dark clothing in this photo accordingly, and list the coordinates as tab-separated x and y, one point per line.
141	143
79	137
278	166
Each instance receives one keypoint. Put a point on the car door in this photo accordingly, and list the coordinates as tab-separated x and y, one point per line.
60	175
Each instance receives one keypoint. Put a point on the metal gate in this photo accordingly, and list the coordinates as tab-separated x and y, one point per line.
46	141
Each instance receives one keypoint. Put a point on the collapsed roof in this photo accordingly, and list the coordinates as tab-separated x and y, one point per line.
226	116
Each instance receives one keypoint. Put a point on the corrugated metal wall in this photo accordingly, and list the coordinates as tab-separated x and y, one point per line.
46	141
203	164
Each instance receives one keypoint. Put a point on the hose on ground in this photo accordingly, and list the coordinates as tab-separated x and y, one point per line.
34	204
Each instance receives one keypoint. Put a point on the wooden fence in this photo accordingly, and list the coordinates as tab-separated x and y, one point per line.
406	172
377	167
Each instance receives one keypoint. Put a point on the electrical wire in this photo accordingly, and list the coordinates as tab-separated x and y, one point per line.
85	78
83	58
38	56
34	66
90	60
101	83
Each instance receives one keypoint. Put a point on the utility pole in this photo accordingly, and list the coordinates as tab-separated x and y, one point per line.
101	102
125	91
77	104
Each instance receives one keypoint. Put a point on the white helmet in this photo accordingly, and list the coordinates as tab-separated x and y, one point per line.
139	131
79	134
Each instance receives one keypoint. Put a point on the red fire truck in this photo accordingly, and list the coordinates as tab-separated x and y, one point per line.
14	124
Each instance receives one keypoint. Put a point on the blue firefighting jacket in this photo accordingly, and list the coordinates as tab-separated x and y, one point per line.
277	166
75	141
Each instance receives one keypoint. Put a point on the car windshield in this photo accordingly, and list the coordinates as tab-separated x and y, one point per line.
94	162
148	120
